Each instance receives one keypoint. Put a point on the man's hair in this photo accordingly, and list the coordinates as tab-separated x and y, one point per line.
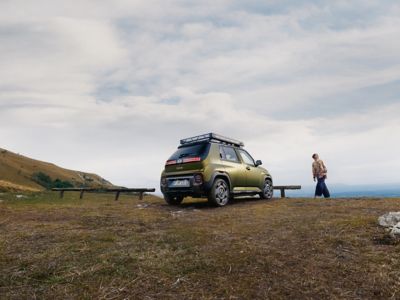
314	155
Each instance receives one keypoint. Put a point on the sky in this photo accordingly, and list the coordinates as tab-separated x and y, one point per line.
111	87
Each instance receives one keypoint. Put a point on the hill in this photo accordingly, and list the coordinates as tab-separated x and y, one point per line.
21	173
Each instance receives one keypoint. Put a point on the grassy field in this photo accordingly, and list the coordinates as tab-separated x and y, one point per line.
53	248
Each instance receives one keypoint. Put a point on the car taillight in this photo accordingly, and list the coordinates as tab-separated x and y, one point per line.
198	179
182	161
191	159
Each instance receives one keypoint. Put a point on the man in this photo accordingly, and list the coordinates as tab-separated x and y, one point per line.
320	174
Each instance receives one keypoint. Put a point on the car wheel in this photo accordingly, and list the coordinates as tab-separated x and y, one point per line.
268	190
219	194
173	200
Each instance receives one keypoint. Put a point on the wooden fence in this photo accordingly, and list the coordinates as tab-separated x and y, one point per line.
117	191
142	191
282	188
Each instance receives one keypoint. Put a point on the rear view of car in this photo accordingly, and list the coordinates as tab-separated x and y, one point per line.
183	174
215	167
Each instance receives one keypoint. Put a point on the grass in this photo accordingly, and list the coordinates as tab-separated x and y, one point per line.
6	186
53	248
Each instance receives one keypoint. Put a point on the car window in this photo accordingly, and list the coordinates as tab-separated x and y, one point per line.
229	154
191	151
247	159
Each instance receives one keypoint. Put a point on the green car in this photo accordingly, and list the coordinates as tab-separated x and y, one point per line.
215	167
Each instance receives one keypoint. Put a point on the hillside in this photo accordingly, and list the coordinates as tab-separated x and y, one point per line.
18	172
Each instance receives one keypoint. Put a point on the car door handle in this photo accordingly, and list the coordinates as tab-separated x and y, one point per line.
248	168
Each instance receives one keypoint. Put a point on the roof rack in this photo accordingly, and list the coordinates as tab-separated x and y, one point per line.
211	137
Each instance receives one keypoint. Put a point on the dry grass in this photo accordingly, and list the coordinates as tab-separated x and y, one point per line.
293	248
6	186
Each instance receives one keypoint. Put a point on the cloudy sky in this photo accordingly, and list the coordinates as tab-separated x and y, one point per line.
111	86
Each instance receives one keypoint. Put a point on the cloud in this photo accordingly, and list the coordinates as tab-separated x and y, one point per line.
112	87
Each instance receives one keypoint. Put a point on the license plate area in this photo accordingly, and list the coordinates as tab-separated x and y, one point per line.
179	183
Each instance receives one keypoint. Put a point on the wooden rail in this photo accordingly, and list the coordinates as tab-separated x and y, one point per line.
118	191
282	188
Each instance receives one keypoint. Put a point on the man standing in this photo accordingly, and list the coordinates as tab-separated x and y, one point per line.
319	173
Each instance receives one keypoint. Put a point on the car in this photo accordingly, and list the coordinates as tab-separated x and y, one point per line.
216	167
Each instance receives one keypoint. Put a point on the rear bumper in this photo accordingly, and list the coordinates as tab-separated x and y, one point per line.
193	190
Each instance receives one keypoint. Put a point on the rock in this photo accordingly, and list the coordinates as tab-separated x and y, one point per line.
177	213
395	231
390	219
142	206
21	196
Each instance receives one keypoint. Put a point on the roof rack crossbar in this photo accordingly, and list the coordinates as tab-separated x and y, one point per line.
211	137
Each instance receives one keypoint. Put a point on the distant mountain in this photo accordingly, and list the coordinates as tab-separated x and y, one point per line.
19	172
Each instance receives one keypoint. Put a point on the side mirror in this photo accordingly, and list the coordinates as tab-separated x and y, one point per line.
258	163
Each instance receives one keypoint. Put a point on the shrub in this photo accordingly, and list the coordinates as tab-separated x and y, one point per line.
46	181
62	184
43	180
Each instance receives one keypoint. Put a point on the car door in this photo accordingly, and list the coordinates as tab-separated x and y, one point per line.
253	174
234	167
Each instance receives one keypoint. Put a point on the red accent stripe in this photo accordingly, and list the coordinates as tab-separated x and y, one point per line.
192	159
183	161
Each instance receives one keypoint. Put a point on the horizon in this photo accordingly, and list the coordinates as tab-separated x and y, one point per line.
111	88
338	190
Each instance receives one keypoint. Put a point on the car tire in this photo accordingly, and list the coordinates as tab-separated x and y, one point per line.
173	200
268	190
219	194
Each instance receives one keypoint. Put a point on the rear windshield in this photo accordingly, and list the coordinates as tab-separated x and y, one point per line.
191	151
